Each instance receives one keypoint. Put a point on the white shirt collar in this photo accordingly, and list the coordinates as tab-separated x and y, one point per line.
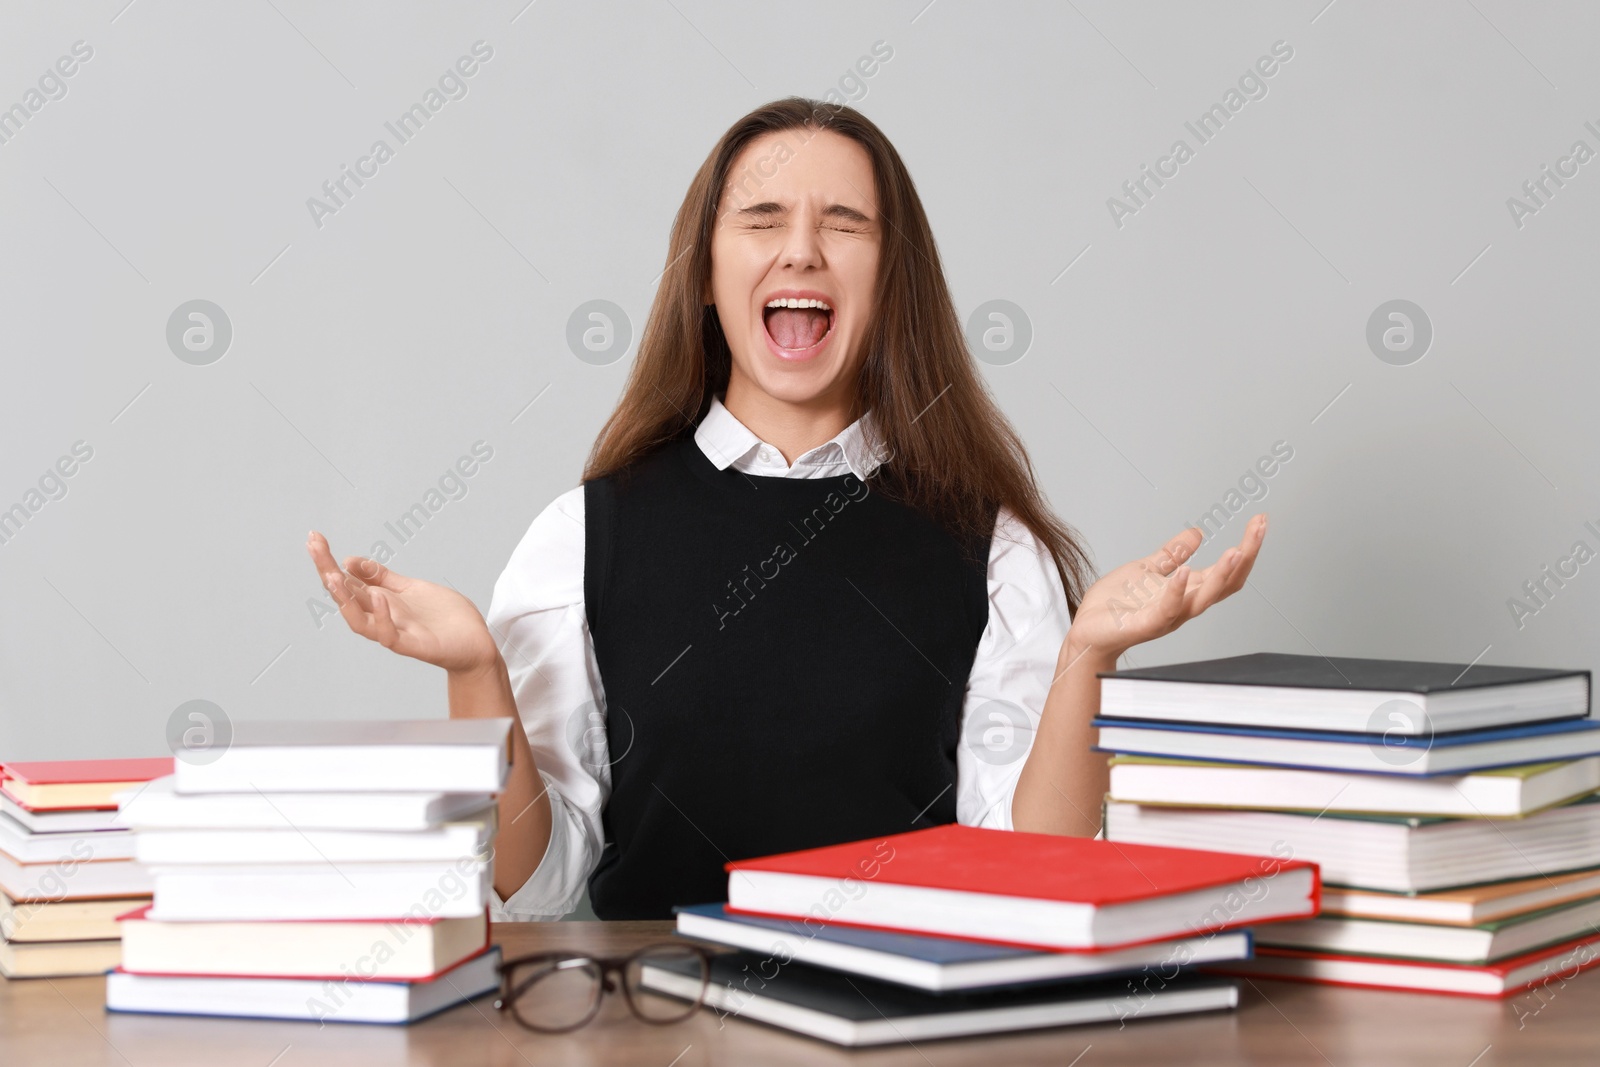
728	442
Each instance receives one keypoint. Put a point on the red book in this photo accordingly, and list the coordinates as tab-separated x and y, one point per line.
55	785
1551	966
1040	891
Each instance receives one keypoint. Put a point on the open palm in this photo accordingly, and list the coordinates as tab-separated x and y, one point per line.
1151	597
429	622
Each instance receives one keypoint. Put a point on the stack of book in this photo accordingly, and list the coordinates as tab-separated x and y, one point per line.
1451	809
66	870
955	930
335	871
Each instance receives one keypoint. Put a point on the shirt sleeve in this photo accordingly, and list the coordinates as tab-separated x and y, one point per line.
1011	673
538	620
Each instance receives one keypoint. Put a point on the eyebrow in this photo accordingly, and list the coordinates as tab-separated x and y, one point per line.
770	208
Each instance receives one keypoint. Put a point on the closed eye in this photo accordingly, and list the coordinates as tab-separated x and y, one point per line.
775	225
767	215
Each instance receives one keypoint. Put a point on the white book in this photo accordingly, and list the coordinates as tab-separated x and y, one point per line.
25	846
1372	753
319	756
34	882
1430	941
317	1000
452	841
1394	853
159	806
243	892
1501	792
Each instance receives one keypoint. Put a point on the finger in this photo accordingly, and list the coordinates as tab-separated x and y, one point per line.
383	627
1250	547
321	555
1245	553
1175	551
357	589
364	570
1213	583
349	609
1227	576
1171	604
370	571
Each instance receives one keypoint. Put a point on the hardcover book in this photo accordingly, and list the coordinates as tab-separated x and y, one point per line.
860	1011
1343	693
54	785
1032	890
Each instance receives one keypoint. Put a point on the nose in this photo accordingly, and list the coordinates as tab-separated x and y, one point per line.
802	249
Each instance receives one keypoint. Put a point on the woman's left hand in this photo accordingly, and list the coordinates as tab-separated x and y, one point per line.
1153	596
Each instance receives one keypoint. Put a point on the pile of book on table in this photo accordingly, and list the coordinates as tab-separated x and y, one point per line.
66	870
334	871
955	930
1451	810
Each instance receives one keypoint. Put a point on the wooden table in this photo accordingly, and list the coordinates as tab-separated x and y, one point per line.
62	1023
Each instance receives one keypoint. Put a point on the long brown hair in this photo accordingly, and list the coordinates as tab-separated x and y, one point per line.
953	456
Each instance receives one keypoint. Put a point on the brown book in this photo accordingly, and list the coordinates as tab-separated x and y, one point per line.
397	950
57	959
64	920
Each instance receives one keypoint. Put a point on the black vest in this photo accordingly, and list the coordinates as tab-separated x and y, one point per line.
784	663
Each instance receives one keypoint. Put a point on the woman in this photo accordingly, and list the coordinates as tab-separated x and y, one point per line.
808	580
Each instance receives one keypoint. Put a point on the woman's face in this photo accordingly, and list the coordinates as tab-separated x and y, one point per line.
798	221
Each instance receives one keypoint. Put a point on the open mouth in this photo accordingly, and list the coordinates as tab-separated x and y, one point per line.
797	327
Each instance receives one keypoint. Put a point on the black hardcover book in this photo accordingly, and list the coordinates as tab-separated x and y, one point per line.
1381	696
851	1010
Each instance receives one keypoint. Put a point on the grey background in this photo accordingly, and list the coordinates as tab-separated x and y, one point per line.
431	311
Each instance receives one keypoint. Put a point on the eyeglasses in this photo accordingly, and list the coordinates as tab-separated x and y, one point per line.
554	992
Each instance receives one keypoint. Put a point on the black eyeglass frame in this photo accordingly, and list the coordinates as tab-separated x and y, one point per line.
607	966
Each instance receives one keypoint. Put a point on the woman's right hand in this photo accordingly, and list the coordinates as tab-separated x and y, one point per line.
415	618
438	625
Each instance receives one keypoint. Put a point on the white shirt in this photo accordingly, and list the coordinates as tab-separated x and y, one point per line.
538	619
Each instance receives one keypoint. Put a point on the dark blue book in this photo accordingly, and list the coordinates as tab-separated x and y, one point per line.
941	964
1377	753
